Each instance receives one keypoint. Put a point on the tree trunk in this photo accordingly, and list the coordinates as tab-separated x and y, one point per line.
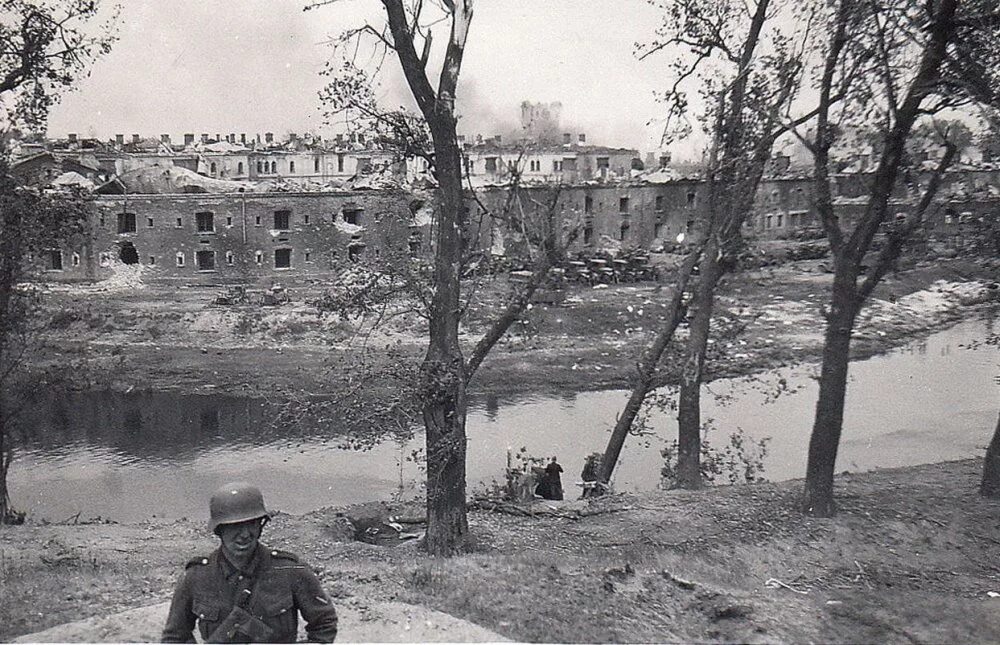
825	439
4	464
647	369
689	400
443	371
990	486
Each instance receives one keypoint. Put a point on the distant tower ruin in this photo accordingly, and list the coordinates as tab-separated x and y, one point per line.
541	121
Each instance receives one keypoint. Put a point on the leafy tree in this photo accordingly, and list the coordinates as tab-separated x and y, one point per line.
430	134
748	73
46	47
31	223
890	63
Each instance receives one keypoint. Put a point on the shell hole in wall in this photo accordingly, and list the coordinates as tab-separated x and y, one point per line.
127	253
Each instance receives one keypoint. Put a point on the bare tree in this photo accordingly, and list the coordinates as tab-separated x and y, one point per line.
46	47
431	135
894	62
749	93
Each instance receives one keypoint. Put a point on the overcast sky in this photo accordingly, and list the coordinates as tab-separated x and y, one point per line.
221	66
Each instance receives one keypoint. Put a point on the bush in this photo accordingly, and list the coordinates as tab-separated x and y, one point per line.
740	461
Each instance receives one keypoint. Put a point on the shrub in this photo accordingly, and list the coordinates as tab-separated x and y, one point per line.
739	461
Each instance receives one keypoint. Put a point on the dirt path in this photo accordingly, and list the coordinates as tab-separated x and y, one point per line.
361	622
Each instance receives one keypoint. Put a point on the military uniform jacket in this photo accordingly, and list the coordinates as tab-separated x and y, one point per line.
259	603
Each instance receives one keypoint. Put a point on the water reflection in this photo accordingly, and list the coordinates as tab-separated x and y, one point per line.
128	456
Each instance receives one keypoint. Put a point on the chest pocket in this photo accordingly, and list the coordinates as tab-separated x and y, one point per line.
206	609
277	604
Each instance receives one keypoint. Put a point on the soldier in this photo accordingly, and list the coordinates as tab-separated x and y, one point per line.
245	592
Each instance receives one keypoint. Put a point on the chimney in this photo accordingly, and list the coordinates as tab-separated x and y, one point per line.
217	138
583	138
268	137
361	138
567	138
135	138
293	136
165	138
232	137
243	138
339	140
664	159
499	139
188	139
72	137
204	137
120	140
479	139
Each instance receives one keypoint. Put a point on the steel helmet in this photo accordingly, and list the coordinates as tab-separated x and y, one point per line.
234	503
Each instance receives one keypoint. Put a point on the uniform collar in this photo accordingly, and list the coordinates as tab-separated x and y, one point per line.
231	570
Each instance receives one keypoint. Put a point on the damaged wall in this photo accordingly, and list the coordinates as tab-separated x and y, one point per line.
245	237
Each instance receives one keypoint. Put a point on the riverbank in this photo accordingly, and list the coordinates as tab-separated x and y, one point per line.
910	557
147	337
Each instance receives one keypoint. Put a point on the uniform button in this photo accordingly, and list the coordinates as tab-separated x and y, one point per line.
240	578
204	560
274	553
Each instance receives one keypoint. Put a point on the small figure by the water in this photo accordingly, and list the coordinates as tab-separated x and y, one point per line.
550	482
244	592
591	475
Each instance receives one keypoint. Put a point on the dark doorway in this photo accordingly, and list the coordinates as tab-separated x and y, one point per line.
127	254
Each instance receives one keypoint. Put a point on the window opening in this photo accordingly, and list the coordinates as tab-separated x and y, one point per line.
588	204
149	222
205	260
76	259
53	260
180	223
291	167
281	220
259	257
126	222
623	204
623	233
152	260
230	258
206	222
282	258
352	216
180	259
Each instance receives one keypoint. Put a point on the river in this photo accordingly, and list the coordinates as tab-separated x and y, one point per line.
129	457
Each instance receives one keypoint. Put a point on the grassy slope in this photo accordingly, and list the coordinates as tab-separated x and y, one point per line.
910	557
